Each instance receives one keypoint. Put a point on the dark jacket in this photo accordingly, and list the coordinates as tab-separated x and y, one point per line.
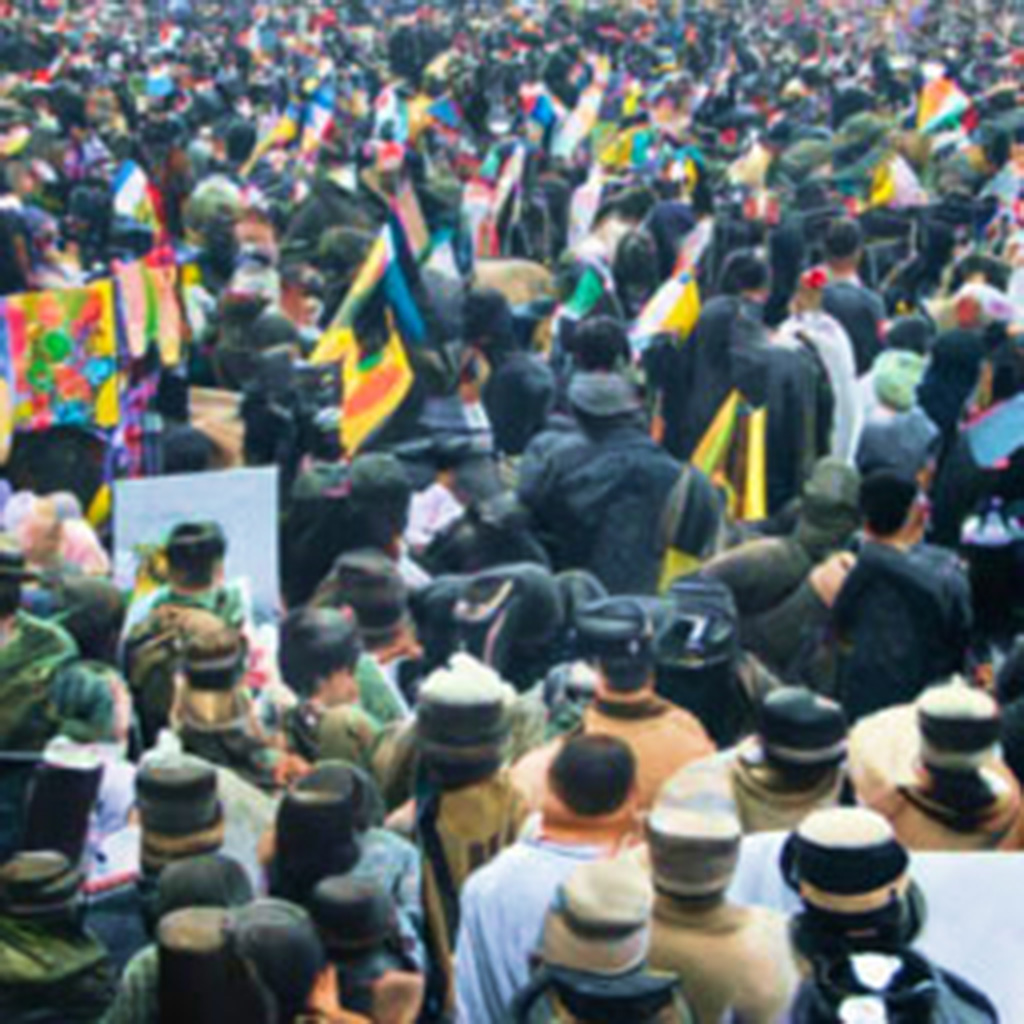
903	619
861	312
598	503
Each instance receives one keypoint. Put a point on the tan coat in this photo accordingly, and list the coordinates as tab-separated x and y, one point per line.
663	741
884	767
728	958
743	781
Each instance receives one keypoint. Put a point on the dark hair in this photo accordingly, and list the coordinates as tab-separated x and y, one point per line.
600	344
627	674
1010	678
314	644
743	271
886	498
194	550
593	775
843	240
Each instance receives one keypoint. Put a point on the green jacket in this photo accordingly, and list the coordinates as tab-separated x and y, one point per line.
52	972
27	663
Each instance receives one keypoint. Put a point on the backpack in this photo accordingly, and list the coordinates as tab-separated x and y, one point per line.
154	654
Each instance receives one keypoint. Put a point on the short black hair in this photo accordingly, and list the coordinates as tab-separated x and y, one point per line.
600	345
593	775
743	271
315	643
844	239
194	550
886	498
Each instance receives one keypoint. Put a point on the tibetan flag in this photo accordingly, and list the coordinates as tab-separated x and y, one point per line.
390	116
586	201
895	185
159	83
941	105
134	196
576	128
319	118
733	454
373	387
446	114
400	271
407	209
539	105
673	309
282	132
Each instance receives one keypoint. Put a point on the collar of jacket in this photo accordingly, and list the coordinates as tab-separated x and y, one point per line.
559	824
630	707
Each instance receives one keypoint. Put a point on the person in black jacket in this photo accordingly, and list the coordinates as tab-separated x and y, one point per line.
903	616
598	496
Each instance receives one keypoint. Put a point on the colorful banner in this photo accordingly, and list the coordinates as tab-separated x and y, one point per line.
63	353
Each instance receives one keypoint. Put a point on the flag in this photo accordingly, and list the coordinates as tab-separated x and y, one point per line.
895	184
319	117
407	209
371	273
150	312
400	271
940	106
733	454
390	117
159	83
673	309
539	105
586	201
576	128
134	195
283	131
446	113
373	386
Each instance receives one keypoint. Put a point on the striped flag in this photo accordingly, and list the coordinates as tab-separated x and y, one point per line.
673	309
319	118
134	195
576	128
941	105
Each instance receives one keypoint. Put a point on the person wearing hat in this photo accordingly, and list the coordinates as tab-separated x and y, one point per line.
328	826
903	616
617	636
793	766
31	650
158	628
589	812
208	880
370	584
93	709
357	922
52	968
859	310
320	655
466	807
593	953
932	770
213	715
732	962
598	498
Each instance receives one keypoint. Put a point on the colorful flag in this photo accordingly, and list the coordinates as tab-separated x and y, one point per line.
673	309
319	118
940	106
733	453
446	113
998	434
586	201
576	128
134	195
407	209
159	82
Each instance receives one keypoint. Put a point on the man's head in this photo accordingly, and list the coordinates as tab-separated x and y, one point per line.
318	652
892	507
843	244
593	776
601	345
617	634
195	555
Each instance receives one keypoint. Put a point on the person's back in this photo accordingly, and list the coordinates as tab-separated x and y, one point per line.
599	503
903	615
52	969
859	311
733	962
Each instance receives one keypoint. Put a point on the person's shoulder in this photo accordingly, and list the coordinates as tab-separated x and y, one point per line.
39	630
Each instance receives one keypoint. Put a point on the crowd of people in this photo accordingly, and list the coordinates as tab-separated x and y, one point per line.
644	385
